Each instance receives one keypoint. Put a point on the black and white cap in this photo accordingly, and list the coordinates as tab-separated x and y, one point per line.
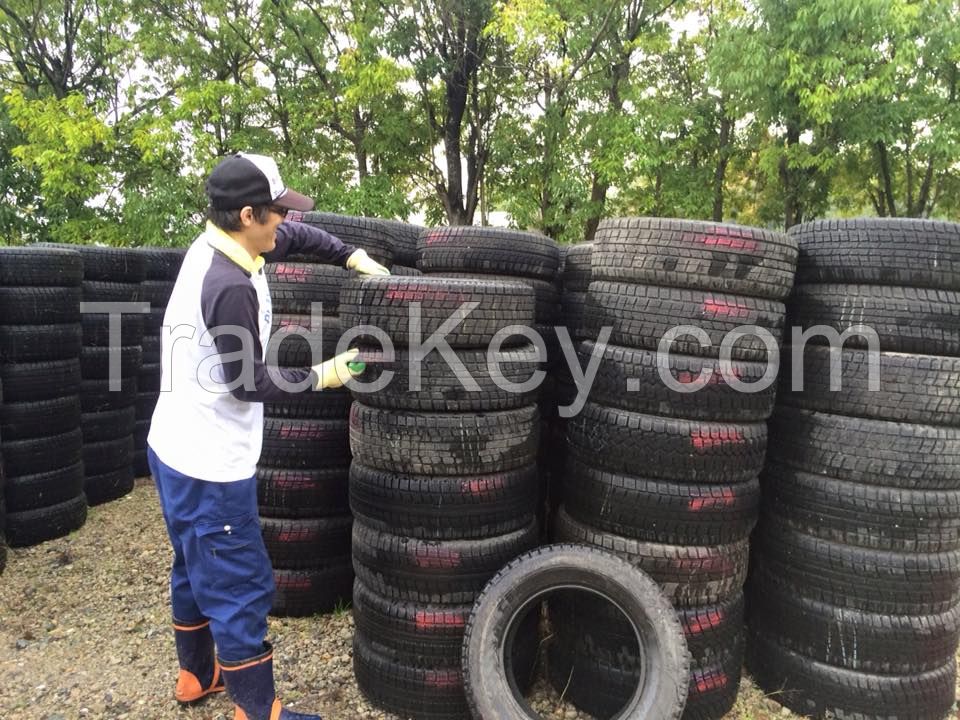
245	179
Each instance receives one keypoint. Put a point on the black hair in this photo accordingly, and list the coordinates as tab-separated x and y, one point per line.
229	220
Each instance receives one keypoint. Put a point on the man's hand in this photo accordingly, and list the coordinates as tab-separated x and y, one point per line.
364	264
333	373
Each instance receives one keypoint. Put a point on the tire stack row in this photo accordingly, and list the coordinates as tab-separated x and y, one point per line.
665	477
303	474
42	444
499	254
443	484
854	591
110	275
3	503
161	267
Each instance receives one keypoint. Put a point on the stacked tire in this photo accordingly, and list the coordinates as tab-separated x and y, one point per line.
854	592
303	475
443	484
161	267
666	477
486	253
405	237
3	504
108	400
42	444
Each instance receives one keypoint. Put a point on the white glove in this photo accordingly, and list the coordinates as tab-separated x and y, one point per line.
333	373
364	264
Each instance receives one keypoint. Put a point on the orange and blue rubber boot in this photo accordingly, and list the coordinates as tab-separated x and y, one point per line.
250	684
199	669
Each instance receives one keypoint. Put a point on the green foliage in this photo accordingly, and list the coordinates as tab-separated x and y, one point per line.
555	112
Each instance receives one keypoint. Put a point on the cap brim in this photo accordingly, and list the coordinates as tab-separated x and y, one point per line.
292	200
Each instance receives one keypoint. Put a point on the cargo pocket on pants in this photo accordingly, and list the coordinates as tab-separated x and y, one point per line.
232	552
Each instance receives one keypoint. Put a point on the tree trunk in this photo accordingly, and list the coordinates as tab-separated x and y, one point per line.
886	178
792	206
723	159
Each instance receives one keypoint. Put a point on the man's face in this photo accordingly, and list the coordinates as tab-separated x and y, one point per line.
263	236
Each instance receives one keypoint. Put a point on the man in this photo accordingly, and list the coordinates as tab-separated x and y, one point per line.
207	429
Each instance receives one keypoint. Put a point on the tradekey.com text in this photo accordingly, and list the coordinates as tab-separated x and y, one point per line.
417	348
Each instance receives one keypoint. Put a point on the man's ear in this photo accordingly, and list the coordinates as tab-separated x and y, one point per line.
246	216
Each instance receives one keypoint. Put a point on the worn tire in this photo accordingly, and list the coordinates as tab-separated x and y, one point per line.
689	575
30	382
820	690
306	542
660	511
640	316
577	263
161	263
39	343
879	251
312	591
684	450
433	571
109	486
851	638
406	689
40	490
39	305
870	452
36	455
906	320
31	527
443	388
695	254
295	287
877	581
305	443
491	689
444	444
912	388
368	234
387	303
496	251
39	265
291	493
870	516
24	420
630	379
546	293
443	508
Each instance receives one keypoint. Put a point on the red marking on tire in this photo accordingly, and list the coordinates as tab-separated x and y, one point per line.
436	238
702	622
443	679
447	619
421	294
726	309
298	584
724	499
481	486
296	536
717	563
293	481
291	272
716	438
435	558
294	216
720	237
715	377
712	680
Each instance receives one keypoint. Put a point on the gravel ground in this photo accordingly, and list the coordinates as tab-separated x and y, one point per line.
85	633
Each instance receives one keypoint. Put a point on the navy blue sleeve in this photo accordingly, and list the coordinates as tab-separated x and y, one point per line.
232	308
299	238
